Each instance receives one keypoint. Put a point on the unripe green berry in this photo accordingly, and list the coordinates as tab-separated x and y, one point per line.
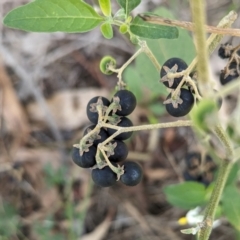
123	28
105	62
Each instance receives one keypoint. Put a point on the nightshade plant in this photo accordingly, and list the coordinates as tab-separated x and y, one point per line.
75	16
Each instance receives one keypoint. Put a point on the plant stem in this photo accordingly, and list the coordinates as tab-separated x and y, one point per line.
122	68
224	169
198	16
212	42
223	173
179	123
189	25
149	53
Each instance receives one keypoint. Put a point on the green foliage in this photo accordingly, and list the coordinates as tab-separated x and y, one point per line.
233	174
54	176
143	78
231	205
128	5
106	30
8	221
144	29
53	16
186	195
203	113
157	109
44	229
105	6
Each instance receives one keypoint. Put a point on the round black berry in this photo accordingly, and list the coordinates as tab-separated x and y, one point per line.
180	109
104	177
127	102
120	152
228	74
125	122
92	110
209	164
225	51
101	137
192	175
193	160
132	174
87	160
172	65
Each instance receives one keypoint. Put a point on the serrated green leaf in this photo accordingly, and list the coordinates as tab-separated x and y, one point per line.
128	5
143	78
231	205
106	30
53	16
105	6
186	195
144	29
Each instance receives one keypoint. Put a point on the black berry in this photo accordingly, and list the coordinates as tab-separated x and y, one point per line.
132	174
104	177
87	160
193	160
180	106
127	102
228	74
91	108
120	152
101	137
192	175
172	65
225	51
125	122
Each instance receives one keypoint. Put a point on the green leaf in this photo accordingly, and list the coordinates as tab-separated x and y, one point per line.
143	78
106	30
53	16
186	195
157	108
144	29
128	5
232	177
231	205
203	114
105	6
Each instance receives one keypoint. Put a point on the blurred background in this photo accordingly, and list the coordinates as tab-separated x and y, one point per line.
46	81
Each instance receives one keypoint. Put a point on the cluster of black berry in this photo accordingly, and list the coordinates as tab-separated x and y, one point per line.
199	168
182	103
232	69
100	109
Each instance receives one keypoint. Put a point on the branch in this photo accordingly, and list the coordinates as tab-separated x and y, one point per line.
190	26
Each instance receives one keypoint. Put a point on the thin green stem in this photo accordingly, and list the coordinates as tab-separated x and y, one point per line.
199	18
149	53
223	173
224	169
179	123
124	66
225	141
